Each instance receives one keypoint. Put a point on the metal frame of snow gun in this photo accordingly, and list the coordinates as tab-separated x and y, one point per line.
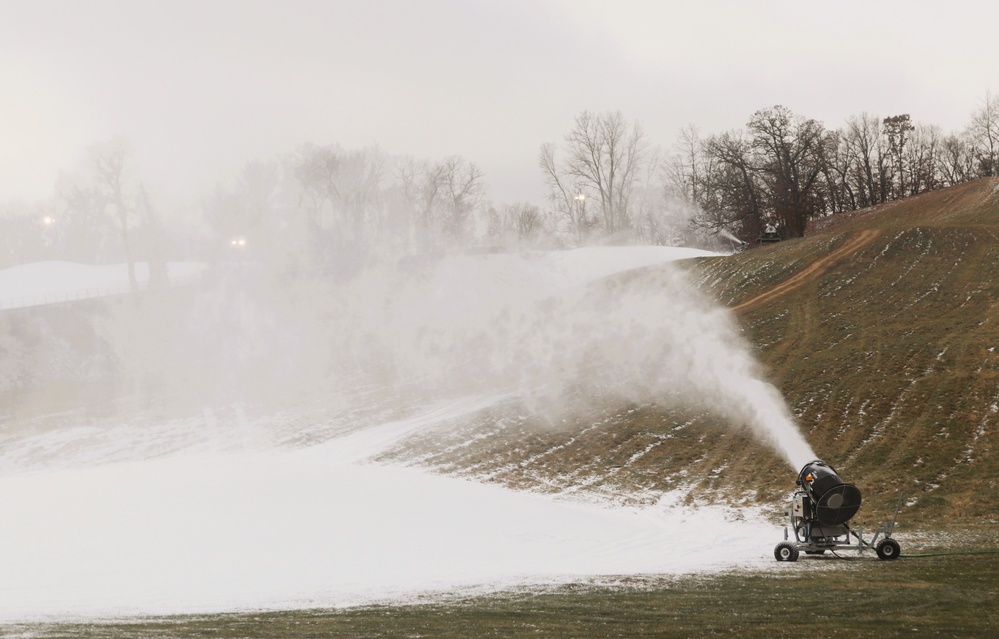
819	515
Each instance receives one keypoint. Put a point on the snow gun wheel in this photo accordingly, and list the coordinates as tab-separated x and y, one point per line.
888	549
785	551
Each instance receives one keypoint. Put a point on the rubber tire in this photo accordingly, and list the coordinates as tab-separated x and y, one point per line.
888	549
786	551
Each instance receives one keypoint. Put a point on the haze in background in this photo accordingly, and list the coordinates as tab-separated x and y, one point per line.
230	509
201	88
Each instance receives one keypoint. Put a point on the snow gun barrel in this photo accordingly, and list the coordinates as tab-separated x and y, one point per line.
834	502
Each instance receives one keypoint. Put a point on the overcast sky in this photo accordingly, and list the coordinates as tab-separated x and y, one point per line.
200	87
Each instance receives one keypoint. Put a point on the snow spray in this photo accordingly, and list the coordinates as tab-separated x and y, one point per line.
543	327
548	327
729	236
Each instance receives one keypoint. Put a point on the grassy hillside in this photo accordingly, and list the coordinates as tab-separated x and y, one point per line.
888	356
880	329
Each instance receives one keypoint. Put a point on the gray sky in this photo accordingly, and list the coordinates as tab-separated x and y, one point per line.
201	87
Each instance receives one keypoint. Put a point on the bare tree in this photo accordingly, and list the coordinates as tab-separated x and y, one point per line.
837	171
565	195
862	139
530	223
896	129
957	160
684	171
790	159
525	222
339	193
603	156
320	173
409	175
109	162
923	159
732	195
87	230
463	188
443	197
430	184
984	134
358	187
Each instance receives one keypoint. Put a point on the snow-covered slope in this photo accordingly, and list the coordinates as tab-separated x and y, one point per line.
109	524
48	282
320	527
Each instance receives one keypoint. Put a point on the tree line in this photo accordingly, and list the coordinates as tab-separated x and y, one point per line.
329	209
782	170
785	169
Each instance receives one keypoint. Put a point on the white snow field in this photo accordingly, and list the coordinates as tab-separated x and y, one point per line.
48	282
209	530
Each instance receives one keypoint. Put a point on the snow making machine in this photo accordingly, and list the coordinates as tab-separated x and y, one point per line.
819	515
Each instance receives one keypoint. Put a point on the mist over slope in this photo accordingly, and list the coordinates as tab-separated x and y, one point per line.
310	357
879	328
226	461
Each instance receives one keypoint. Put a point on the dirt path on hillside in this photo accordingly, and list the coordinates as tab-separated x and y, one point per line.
811	272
